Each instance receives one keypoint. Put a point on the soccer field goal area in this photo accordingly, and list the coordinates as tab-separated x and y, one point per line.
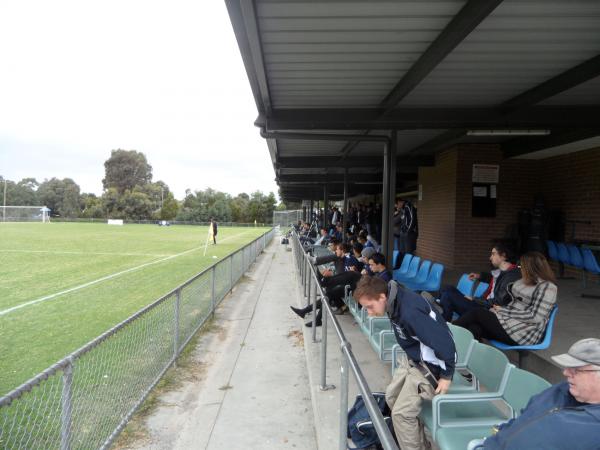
24	214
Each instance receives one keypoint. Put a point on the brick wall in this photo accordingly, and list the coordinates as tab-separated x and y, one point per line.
515	191
436	210
448	233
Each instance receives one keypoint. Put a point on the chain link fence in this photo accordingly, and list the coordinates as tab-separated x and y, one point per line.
86	399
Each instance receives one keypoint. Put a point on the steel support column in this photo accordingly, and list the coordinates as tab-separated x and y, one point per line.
389	197
325	206
346	217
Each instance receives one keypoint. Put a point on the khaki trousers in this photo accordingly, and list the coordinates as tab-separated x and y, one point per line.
405	396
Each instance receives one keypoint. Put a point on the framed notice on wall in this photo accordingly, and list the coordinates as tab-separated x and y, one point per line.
485	178
486	173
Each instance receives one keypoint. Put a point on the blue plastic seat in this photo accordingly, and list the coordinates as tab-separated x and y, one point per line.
590	264
410	273
465	286
576	260
433	281
589	261
563	253
552	250
480	289
420	278
403	269
545	343
395	257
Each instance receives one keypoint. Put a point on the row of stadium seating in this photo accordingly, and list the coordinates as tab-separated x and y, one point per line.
419	276
486	388
581	258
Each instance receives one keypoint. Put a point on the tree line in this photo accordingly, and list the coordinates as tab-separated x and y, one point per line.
129	193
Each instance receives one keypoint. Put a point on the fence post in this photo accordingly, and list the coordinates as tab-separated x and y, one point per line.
231	278
344	382
66	407
176	327
213	299
324	312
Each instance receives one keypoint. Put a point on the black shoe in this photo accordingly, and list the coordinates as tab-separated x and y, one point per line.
310	324
300	312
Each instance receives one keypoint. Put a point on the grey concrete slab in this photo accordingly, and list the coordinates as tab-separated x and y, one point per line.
252	389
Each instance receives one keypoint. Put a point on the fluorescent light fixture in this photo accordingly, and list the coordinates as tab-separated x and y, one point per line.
508	132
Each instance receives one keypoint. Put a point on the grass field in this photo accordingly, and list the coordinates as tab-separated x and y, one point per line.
63	284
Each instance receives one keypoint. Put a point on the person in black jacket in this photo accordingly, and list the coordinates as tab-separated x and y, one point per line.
430	352
504	273
333	281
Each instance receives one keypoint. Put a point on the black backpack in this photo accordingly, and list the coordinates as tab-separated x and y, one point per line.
360	426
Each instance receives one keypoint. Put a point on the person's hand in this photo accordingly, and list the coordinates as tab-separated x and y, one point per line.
328	273
363	272
443	386
474	276
495	308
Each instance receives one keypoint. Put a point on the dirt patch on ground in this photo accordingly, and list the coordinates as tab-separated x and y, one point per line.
297	338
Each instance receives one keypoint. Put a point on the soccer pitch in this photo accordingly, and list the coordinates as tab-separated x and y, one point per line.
63	284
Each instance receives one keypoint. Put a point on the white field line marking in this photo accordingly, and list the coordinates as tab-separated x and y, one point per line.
61	252
108	277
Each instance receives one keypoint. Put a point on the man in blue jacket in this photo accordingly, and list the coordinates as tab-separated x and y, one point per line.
430	354
565	416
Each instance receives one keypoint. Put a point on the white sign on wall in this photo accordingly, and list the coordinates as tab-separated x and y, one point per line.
486	173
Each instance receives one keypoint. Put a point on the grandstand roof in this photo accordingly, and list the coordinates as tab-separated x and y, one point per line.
434	70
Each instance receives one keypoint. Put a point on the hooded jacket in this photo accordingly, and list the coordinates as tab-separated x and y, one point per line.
421	332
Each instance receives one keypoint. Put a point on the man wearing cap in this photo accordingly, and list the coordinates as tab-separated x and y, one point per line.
564	416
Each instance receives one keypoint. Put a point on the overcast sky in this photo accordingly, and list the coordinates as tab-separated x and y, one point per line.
79	78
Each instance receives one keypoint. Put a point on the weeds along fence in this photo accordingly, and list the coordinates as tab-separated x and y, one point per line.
87	398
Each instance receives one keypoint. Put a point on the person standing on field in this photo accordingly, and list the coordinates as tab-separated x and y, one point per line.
213	226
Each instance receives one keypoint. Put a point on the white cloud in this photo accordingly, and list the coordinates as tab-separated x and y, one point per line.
80	78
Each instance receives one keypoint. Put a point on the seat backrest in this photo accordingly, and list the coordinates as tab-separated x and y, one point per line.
395	254
423	272
552	250
480	289
405	263
463	341
465	286
589	261
575	256
413	267
488	365
520	387
549	327
563	253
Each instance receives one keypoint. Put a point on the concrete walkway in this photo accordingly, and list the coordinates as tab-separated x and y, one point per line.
252	391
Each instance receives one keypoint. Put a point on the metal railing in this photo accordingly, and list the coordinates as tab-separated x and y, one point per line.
312	290
85	400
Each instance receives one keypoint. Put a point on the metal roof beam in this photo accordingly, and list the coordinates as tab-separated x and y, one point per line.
402	162
560	83
524	145
434	118
461	25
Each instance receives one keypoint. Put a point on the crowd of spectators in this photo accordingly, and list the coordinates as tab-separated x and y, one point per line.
514	309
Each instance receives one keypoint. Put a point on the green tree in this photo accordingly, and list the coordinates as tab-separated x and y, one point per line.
22	193
126	169
61	196
170	207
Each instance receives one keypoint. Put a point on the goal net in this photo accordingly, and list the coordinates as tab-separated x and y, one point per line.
24	214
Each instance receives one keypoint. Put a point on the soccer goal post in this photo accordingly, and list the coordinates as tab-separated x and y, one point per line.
24	214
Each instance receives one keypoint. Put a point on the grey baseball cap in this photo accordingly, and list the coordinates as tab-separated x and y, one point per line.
581	353
367	252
